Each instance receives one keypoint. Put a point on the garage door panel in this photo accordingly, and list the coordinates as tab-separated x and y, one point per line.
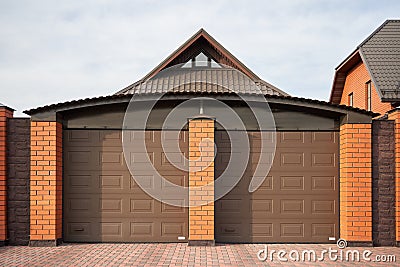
134	230
262	207
292	182
324	137
78	205
292	139
167	209
142	206
261	231
81	137
102	201
321	229
91	182
111	181
323	183
291	230
293	206
237	232
79	231
77	159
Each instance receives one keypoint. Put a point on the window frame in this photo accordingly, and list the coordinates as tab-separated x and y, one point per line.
350	99
368	96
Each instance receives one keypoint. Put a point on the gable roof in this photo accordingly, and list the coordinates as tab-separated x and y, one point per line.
201	37
187	81
380	53
182	79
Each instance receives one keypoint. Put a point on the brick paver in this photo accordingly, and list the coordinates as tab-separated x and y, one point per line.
175	254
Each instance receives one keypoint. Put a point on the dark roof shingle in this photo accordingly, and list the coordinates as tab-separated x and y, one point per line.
381	54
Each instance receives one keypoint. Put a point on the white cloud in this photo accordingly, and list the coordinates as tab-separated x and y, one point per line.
52	51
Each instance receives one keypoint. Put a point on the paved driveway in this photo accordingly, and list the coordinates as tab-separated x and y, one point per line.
175	255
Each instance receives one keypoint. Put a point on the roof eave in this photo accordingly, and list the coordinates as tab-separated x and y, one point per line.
339	77
114	99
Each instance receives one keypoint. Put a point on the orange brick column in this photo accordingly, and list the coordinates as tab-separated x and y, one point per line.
201	182
356	183
395	115
46	183
5	113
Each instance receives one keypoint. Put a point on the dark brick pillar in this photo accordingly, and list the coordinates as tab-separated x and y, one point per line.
5	114
18	167
383	193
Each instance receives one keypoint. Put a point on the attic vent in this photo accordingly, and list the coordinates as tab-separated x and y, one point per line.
201	61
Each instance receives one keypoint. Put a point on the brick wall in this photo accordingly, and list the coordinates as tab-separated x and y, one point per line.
201	182
46	183
5	114
355	183
355	82
383	193
18	168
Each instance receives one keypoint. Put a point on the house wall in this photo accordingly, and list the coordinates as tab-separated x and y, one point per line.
356	83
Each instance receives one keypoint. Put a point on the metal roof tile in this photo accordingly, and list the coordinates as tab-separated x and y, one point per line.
381	52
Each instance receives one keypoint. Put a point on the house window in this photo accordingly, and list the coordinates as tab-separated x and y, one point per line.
202	61
368	96
350	99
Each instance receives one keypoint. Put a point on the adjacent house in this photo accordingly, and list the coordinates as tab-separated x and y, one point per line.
369	78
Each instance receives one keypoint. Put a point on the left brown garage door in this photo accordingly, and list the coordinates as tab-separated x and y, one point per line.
102	203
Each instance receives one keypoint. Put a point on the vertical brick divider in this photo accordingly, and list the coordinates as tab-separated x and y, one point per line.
5	114
383	183
356	183
201	183
395	115
46	183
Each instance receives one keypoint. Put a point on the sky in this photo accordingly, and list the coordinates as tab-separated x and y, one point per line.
55	51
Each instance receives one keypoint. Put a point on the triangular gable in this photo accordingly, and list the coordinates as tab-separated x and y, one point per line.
202	42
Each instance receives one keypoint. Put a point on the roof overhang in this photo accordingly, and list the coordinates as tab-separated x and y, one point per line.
340	76
351	114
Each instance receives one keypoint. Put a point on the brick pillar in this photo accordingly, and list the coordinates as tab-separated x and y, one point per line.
356	183
395	115
201	182
46	183
5	113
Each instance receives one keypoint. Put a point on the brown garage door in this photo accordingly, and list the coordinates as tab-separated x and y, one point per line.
101	200
298	200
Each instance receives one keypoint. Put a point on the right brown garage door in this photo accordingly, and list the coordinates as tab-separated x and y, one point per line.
298	200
